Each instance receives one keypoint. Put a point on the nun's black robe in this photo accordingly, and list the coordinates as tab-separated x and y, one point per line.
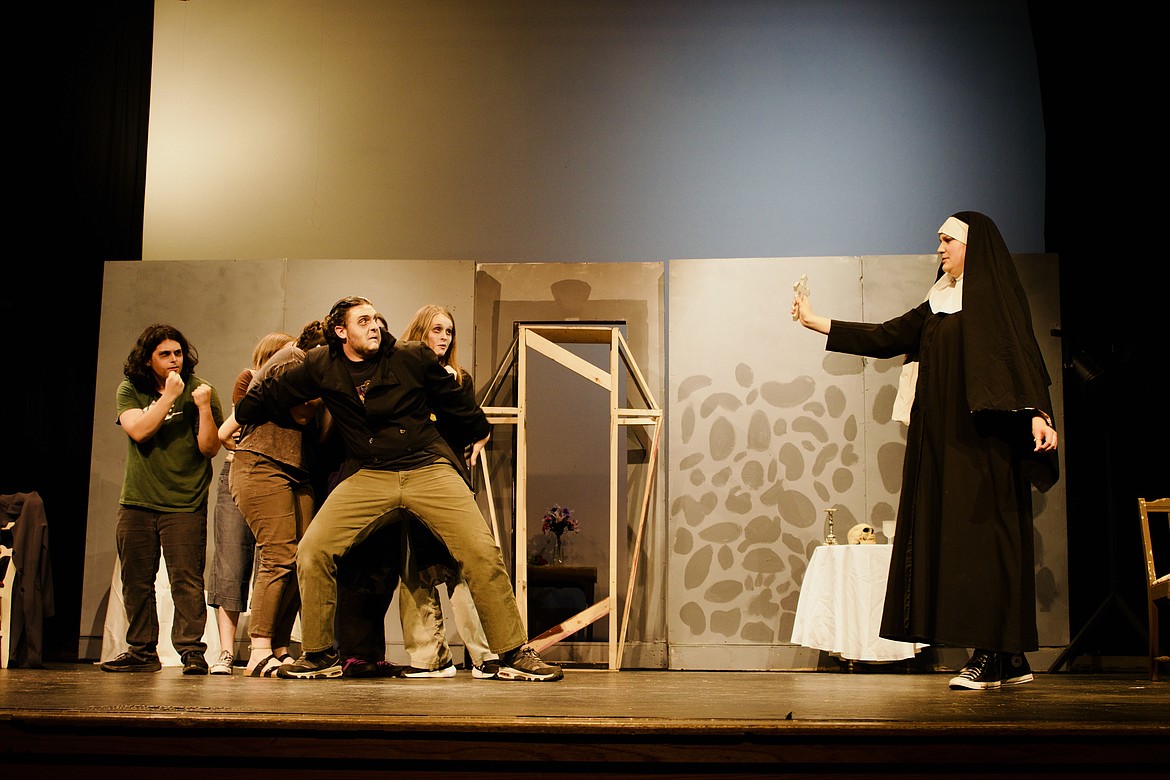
962	566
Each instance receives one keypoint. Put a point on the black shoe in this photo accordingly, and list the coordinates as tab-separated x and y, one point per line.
524	664
980	674
488	670
312	666
194	662
128	662
1015	669
360	667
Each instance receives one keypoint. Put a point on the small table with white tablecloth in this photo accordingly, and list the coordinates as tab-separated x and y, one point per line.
840	606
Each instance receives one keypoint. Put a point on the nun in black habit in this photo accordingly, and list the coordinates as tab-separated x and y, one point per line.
980	437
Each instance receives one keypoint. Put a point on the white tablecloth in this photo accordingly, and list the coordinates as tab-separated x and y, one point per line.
840	606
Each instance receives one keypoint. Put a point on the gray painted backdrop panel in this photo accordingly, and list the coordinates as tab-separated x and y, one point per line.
221	310
223	307
1039	274
767	430
761	420
397	288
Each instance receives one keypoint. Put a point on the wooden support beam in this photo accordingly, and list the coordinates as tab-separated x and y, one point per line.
571	625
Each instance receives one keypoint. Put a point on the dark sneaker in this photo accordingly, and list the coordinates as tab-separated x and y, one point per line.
360	667
128	662
980	674
488	670
312	666
194	662
524	664
415	673
1015	669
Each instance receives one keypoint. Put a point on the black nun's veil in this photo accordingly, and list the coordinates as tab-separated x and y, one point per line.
1004	368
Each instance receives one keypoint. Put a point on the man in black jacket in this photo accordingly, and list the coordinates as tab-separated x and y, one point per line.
381	394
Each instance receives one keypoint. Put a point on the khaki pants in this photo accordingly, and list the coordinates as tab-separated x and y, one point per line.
424	630
441	499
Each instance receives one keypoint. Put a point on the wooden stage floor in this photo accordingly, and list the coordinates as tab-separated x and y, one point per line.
72	720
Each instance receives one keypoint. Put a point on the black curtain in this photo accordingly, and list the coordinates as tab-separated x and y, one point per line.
78	128
1095	77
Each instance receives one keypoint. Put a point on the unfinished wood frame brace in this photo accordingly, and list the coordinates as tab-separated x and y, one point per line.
546	340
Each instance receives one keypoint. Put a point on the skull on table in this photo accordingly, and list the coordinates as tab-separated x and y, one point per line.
862	533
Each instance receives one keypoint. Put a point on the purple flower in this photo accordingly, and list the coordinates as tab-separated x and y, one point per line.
559	519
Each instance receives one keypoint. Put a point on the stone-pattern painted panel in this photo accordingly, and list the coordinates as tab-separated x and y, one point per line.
767	431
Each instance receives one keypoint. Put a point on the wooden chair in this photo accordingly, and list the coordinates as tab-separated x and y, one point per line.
1157	587
7	583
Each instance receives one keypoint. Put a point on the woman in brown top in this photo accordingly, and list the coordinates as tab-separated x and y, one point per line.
271	483
235	546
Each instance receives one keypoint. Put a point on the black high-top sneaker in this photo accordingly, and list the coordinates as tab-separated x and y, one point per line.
1015	669
981	673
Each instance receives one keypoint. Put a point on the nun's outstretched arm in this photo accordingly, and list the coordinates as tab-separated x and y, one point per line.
802	312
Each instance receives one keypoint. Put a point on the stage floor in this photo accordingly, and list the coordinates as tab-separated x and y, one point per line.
593	723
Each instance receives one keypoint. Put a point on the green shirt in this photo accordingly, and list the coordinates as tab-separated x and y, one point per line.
167	472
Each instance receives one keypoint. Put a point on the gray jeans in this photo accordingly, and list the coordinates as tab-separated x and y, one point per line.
235	551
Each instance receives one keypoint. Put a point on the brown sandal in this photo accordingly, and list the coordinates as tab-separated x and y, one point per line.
273	664
261	669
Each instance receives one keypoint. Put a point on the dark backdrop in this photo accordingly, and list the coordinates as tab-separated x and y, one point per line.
80	130
78	124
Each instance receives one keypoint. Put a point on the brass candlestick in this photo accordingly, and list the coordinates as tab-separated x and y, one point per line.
829	537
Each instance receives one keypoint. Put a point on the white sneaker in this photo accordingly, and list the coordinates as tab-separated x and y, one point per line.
416	673
224	664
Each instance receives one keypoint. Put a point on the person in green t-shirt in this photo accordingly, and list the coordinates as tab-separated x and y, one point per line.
171	418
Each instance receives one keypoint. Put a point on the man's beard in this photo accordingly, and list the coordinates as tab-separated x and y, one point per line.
367	349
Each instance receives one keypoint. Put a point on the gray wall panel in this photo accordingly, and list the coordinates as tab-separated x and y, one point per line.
223	307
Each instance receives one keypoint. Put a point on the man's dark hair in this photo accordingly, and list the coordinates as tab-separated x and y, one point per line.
336	319
312	335
137	368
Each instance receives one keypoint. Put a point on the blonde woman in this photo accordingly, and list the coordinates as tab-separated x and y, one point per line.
418	595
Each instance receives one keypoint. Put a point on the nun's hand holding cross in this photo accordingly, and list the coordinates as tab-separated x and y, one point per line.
802	310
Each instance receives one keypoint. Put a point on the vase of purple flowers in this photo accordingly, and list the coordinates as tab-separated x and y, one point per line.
557	520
